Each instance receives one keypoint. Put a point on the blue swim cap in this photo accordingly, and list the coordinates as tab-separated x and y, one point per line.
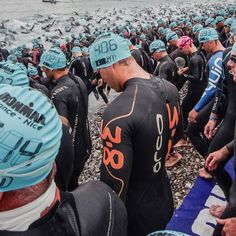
12	58
18	54
171	36
53	59
219	19
13	74
108	49
32	71
167	233
161	30
173	24
207	34
76	49
85	50
167	31
30	134
197	28
234	48
157	46
76	42
210	22
229	21
233	29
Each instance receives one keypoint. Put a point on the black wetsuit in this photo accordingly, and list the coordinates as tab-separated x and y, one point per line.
65	160
71	103
92	209
81	67
143	60
197	83
225	132
167	69
4	53
137	135
36	85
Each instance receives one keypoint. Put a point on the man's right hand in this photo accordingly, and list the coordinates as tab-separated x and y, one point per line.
209	129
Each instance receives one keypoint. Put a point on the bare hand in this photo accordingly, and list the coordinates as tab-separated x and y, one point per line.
229	228
209	129
192	115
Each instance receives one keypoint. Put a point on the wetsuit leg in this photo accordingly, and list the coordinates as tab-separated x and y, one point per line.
195	130
64	160
188	103
224	135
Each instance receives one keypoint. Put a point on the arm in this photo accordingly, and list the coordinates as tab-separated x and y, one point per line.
117	156
215	70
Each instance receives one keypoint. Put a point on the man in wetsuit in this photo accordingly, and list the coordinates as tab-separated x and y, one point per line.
166	68
194	74
219	157
30	202
198	116
71	100
138	129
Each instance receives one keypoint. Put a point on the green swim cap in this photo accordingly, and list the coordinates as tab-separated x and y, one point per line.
53	59
207	34
157	46
108	49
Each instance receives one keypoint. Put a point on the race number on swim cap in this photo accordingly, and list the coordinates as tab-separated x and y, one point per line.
53	59
108	49
30	134
207	34
13	74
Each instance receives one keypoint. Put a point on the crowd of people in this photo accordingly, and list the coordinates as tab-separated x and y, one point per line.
45	135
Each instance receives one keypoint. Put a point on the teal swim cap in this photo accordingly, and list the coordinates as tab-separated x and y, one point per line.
210	22
167	233
229	21
18	54
108	49
30	134
76	42
219	19
12	58
161	30
13	74
167	31
207	34
53	59
32	71
233	29
85	50
197	28
76	49
173	24
157	46
171	36
234	48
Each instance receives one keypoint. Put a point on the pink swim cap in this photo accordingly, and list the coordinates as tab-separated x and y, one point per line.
184	41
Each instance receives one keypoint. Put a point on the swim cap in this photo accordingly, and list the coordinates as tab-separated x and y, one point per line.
210	22
161	30
13	74
167	233
167	31
76	42
30	134
18	54
53	59
228	22
233	29
171	36
184	41
108	49
157	46
219	19
12	58
234	48
173	24
207	34
84	49
197	19
32	71
76	49
197	28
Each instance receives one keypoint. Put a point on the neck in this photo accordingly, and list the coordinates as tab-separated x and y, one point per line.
17	198
58	74
219	47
